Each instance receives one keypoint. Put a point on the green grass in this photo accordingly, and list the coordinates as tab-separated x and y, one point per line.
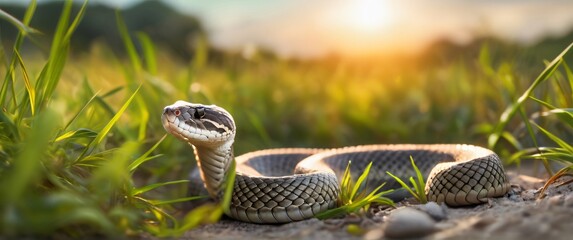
549	127
353	196
519	106
83	152
70	171
418	189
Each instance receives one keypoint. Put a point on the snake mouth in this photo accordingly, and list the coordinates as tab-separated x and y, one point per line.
170	123
167	115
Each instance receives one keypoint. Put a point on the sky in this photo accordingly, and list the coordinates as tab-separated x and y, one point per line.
305	28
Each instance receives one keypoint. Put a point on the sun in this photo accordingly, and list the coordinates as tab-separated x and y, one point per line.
368	16
358	27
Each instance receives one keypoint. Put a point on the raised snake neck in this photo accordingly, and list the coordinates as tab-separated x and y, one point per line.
285	185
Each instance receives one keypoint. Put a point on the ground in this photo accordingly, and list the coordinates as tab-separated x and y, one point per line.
521	214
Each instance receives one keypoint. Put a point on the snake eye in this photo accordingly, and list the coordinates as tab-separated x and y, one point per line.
177	112
199	113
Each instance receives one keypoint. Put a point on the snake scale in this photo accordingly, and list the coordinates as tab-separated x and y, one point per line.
285	185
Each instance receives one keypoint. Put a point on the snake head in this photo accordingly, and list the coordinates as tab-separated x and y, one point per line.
198	124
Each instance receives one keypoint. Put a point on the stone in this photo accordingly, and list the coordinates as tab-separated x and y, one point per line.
409	223
437	212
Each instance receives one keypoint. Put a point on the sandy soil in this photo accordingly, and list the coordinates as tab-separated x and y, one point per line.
518	215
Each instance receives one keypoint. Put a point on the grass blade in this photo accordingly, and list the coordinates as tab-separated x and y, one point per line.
128	43
402	183
103	133
22	27
514	107
346	185
421	186
556	139
360	181
330	213
148	52
75	22
230	184
30	92
84	107
140	190
143	118
58	54
80	133
143	158
178	200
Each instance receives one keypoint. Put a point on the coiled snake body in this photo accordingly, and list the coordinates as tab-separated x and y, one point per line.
284	185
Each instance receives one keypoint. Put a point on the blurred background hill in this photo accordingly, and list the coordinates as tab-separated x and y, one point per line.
166	27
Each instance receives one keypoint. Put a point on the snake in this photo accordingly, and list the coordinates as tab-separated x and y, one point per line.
291	184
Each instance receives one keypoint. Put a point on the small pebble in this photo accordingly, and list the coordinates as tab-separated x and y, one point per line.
409	223
514	193
568	201
528	194
552	201
435	211
355	230
374	234
555	200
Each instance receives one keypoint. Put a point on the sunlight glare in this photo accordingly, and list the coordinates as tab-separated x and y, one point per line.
360	27
368	16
